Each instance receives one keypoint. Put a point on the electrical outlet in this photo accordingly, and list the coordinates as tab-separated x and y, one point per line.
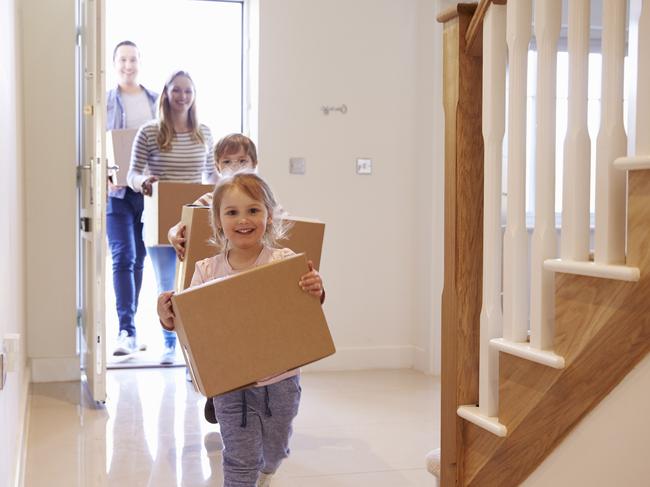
364	166
297	165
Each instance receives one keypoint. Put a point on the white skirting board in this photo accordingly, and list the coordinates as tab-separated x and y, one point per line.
18	477
361	358
55	369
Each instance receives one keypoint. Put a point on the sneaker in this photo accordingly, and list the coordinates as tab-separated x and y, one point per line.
169	355
264	480
209	412
125	344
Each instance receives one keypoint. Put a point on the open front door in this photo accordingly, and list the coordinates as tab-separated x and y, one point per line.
91	170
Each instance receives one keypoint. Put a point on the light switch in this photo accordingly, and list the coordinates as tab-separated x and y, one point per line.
297	165
364	166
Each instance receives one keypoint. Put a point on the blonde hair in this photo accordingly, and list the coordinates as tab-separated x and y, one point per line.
255	187
165	128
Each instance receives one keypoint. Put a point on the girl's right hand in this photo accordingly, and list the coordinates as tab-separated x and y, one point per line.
176	237
165	311
147	185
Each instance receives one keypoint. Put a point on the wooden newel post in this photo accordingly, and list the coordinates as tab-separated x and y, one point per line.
461	298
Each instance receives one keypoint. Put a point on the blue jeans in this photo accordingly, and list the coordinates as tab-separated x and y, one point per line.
164	265
124	231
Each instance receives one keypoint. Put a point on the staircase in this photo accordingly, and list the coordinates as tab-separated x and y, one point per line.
516	378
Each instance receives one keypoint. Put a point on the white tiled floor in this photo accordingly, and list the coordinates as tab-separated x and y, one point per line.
370	428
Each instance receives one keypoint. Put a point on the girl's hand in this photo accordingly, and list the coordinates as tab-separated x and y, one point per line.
176	237
165	311
147	185
312	282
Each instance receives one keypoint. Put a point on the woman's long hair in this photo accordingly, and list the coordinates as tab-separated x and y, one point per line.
166	129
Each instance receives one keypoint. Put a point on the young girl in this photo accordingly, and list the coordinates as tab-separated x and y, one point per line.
234	152
176	147
256	422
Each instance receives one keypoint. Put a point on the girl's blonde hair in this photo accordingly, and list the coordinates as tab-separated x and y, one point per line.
165	127
255	187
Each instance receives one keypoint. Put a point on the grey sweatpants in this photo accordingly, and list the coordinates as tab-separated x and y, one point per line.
262	444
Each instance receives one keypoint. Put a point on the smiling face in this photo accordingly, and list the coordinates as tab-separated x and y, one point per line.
237	161
243	219
126	63
180	92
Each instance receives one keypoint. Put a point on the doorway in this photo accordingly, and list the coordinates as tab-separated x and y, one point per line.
205	38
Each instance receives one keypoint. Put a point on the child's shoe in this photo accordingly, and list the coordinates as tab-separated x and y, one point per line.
209	412
264	479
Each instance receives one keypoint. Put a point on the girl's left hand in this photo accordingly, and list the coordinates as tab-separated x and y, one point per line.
312	282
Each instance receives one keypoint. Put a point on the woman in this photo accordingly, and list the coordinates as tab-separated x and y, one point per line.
176	147
129	105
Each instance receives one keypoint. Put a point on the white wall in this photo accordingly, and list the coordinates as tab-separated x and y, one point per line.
49	149
12	258
610	445
382	260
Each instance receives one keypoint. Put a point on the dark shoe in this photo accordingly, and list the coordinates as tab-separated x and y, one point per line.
208	411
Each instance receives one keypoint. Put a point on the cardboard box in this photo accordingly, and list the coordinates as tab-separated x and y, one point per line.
197	247
304	236
163	209
244	328
118	151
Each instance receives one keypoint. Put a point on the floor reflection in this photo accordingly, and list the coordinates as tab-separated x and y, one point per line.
152	433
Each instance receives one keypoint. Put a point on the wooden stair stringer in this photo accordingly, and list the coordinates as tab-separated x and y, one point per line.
574	391
602	331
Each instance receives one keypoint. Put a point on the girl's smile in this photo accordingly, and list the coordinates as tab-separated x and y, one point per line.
243	220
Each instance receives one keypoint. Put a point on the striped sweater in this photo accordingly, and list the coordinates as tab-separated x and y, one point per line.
187	161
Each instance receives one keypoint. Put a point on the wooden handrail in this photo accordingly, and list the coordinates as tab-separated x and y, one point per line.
476	25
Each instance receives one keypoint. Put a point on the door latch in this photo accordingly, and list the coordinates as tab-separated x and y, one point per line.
84	224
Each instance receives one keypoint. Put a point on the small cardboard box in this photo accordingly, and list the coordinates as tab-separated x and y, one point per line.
197	247
304	236
163	209
118	151
245	328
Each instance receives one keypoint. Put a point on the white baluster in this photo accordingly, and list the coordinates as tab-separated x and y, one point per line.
577	145
642	141
612	141
548	17
515	241
494	103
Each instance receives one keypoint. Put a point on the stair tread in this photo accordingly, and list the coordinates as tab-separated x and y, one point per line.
526	351
593	269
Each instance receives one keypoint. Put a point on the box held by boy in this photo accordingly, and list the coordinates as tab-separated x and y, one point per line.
245	328
305	235
162	210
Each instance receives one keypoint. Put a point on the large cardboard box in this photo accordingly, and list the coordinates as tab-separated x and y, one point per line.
118	151
304	236
251	326
163	209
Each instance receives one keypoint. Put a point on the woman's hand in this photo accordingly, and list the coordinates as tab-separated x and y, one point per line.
312	283
147	185
176	237
165	311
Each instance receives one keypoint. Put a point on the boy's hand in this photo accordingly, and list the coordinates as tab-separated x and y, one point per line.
165	311
312	282
176	237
